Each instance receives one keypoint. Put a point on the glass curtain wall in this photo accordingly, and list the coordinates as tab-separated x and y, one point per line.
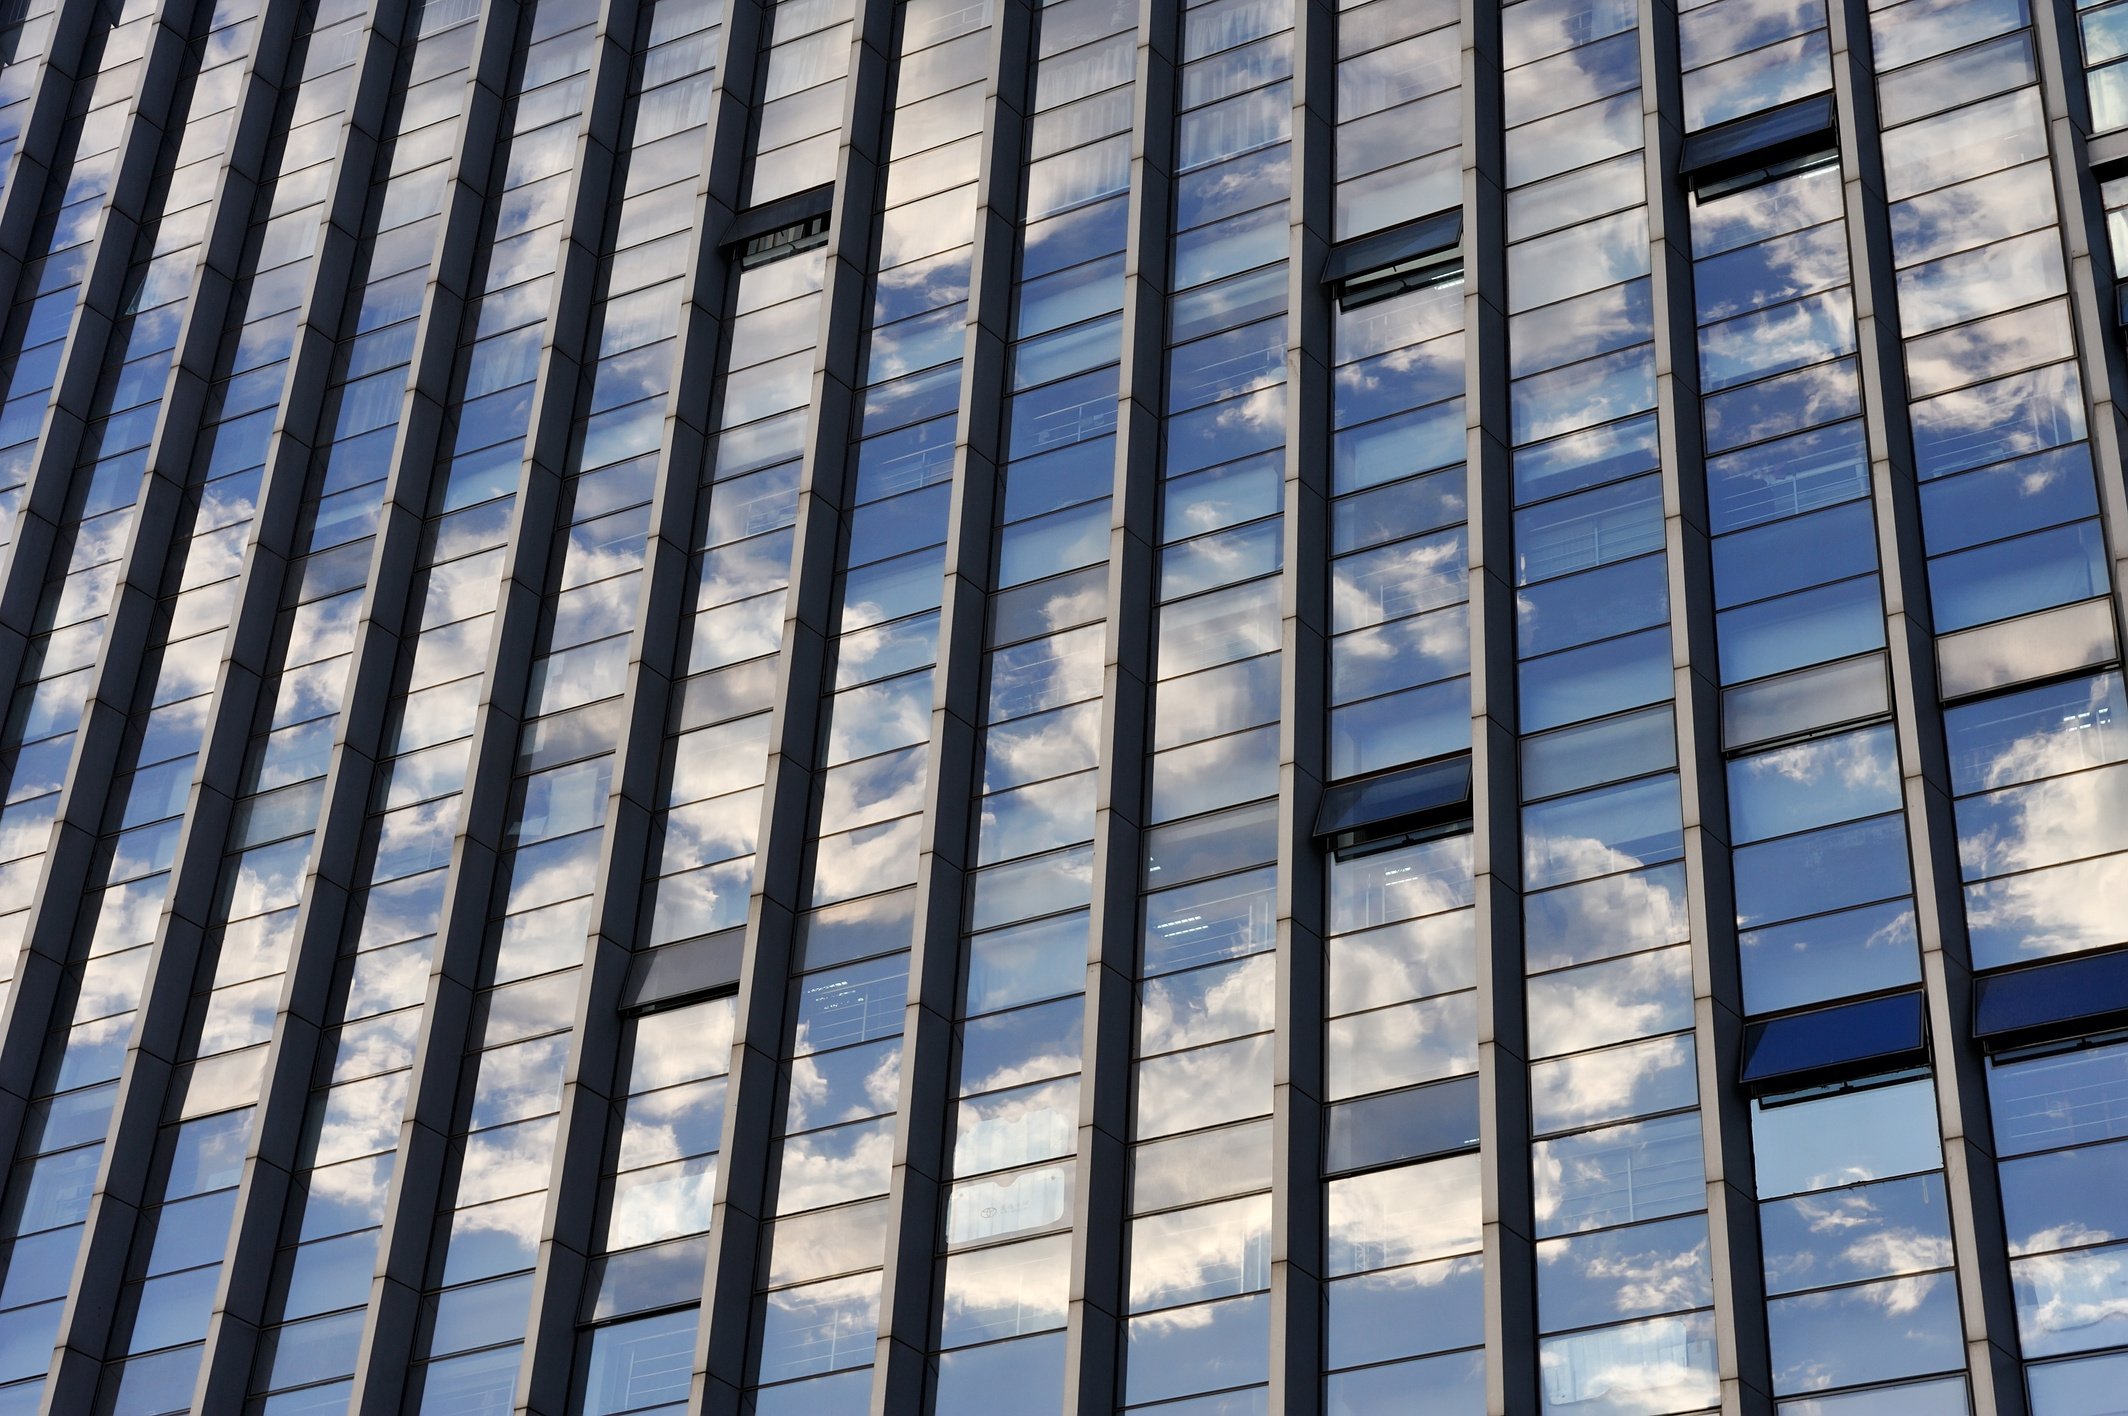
2017	562
1405	1279
2061	1136
2061	1112
175	1261
1624	1285
554	826
472	1326
63	1137
2009	519
816	1322
56	258
1198	1245
642	1303
345	1160
1823	889
25	42
518	1049
1741	57
716	755
799	123
1022	1005
96	517
2102	33
1399	114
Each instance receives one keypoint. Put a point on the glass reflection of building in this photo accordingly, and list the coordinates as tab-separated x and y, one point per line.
1207	707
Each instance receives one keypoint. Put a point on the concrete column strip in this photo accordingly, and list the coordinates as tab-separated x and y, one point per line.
1496	857
1725	1116
1297	1082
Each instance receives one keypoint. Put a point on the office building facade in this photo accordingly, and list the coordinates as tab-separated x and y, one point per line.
967	708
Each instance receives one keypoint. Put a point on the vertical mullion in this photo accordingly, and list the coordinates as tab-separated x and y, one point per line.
947	836
656	662
1297	1083
802	673
1101	1195
423	1181
1724	1115
1979	1245
1508	1216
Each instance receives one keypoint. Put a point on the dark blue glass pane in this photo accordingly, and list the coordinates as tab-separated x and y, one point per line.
2008	578
1877	1032
1585	459
1405	1125
2080	990
1593	605
2009	497
1433	787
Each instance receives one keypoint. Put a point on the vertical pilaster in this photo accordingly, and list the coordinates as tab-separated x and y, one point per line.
945	846
1101	1193
1496	858
802	673
420	1184
1303	738
1725	1116
1986	1306
656	660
